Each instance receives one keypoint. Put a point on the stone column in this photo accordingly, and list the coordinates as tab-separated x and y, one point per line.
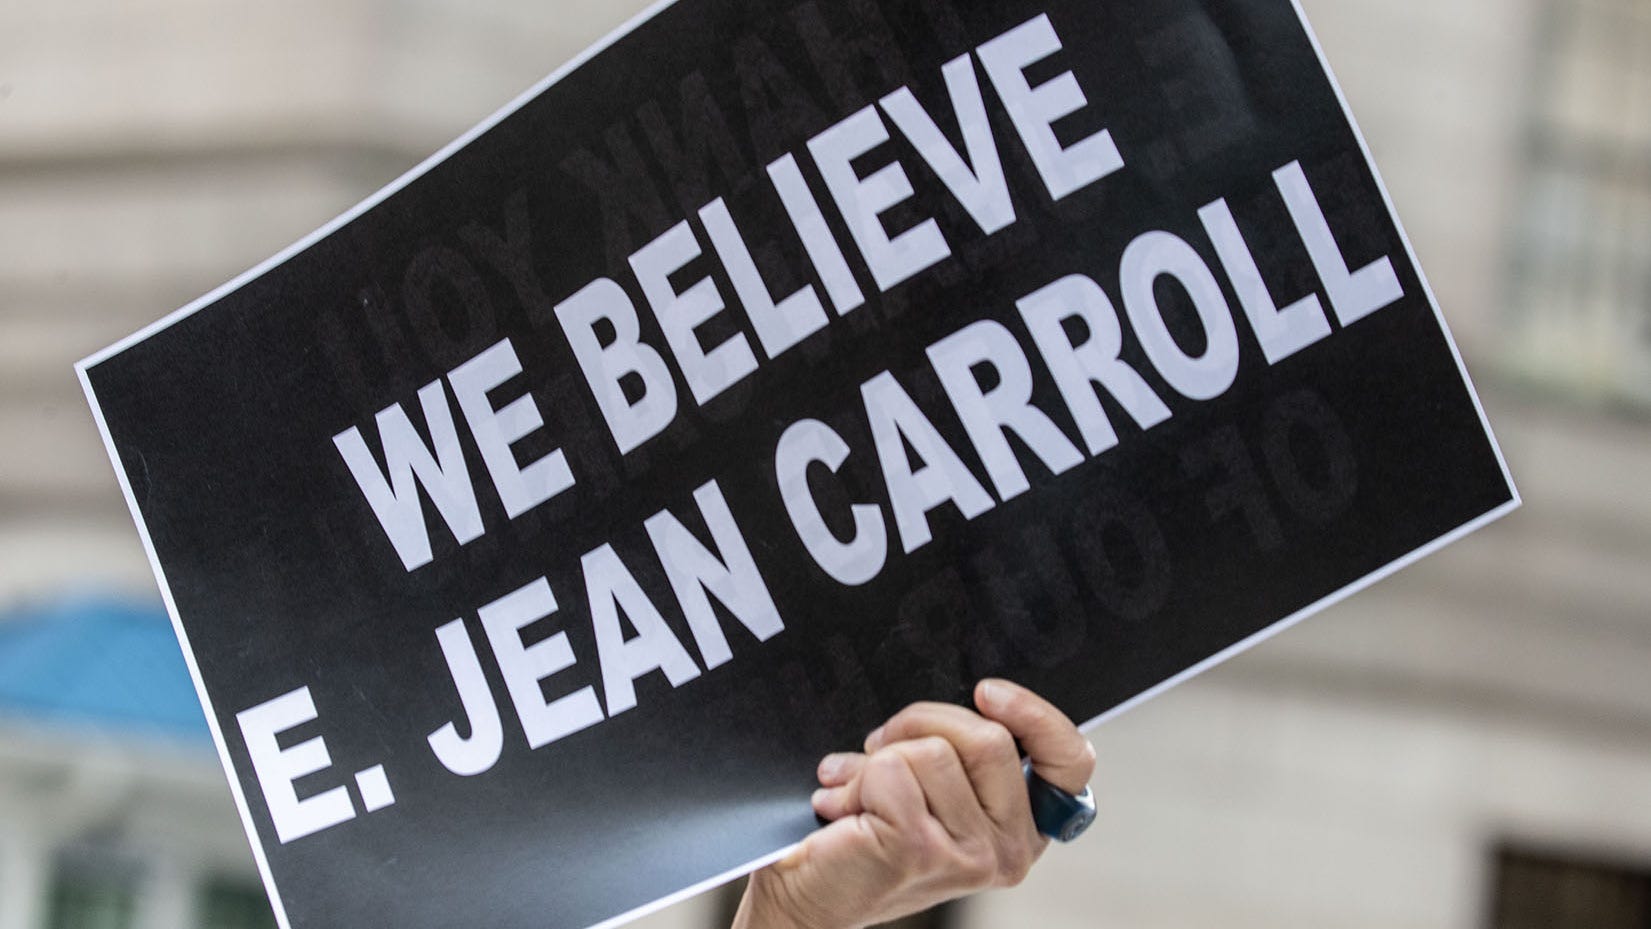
24	877
167	897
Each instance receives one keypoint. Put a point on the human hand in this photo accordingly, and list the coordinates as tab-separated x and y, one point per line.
936	807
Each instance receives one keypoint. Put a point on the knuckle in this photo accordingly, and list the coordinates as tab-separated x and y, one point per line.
992	743
927	848
969	863
1015	863
983	863
907	721
978	868
885	764
930	751
897	723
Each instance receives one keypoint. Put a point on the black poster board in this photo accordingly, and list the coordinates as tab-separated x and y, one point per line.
534	527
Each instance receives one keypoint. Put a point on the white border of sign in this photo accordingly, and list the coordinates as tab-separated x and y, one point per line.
189	656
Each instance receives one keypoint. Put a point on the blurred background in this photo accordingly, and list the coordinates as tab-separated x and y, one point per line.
1466	745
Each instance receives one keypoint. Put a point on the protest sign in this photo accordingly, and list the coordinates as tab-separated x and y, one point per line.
533	528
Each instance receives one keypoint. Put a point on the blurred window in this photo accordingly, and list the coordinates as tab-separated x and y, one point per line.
1582	261
227	904
91	891
1535	891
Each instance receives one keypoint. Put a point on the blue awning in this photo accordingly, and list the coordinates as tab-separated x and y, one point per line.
97	663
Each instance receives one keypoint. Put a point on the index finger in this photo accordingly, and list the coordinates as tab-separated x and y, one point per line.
1058	751
986	748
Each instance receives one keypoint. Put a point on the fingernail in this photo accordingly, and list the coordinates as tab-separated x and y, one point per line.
830	767
819	797
993	693
875	740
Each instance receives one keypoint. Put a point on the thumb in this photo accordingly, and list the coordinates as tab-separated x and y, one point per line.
1058	751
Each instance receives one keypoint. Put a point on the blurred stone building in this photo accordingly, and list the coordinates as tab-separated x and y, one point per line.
1467	744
